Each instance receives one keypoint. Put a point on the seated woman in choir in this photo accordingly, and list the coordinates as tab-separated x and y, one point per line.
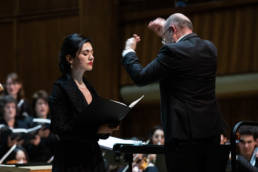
40	104
157	136
14	88
41	146
41	111
71	114
8	114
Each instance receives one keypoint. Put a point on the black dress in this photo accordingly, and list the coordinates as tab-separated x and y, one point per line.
77	149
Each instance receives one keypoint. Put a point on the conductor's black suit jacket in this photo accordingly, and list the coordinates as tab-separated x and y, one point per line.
186	72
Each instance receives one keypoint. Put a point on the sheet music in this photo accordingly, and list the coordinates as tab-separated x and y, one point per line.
2	126
135	102
7	153
132	104
118	102
42	120
111	141
23	130
19	104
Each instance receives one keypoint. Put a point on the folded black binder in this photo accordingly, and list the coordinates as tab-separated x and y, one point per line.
109	111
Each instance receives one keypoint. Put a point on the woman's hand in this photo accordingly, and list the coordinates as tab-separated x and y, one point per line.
105	129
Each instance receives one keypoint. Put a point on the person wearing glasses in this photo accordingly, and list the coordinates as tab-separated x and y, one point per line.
71	118
185	68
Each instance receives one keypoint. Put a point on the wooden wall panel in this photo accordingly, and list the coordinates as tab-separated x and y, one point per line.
7	8
39	42
238	109
8	55
29	7
99	23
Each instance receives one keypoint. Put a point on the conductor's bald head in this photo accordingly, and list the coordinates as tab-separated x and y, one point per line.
180	21
176	26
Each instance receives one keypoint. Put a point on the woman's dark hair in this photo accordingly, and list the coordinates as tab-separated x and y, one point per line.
5	100
71	45
41	94
15	79
153	130
12	156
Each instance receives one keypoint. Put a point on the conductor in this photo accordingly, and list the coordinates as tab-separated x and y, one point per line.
185	68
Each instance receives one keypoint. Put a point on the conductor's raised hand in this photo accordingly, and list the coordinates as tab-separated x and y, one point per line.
131	43
105	129
157	26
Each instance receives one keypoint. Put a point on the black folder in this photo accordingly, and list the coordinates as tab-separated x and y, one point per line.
109	111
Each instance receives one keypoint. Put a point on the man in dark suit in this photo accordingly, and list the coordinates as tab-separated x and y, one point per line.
185	68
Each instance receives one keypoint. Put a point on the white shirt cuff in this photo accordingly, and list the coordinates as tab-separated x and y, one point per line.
126	51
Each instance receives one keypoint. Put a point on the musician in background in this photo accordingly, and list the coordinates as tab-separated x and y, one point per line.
8	114
41	145
147	162
14	88
40	104
248	151
157	138
18	156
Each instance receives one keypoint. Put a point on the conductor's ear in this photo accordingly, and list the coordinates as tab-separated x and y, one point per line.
69	59
173	28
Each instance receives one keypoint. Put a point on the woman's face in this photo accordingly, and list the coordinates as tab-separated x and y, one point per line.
21	157
158	137
12	87
41	108
84	59
10	110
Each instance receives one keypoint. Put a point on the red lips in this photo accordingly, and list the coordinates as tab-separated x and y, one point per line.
90	63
